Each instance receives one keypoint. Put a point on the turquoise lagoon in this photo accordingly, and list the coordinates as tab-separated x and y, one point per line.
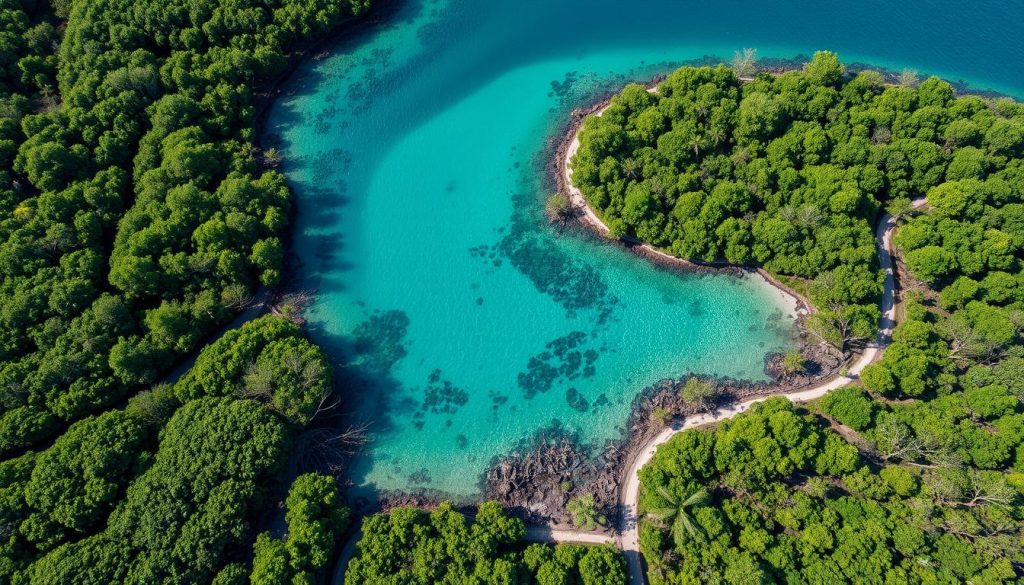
462	325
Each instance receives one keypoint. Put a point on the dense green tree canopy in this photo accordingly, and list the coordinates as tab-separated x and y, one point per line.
410	545
137	215
167	489
269	359
316	519
178	519
789	172
789	501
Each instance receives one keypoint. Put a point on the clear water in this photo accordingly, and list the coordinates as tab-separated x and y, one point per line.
462	323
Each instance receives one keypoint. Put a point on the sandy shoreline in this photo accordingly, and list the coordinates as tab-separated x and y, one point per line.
640	454
640	444
640	447
588	218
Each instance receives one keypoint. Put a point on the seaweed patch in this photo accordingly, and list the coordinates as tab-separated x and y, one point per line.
562	358
440	396
576	400
380	340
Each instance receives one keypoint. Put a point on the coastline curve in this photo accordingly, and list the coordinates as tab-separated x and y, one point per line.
630	490
629	487
625	533
589	219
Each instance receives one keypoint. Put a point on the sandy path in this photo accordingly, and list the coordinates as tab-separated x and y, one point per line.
629	493
539	533
793	301
628	539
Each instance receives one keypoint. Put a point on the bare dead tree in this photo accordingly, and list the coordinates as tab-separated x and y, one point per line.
809	216
966	344
970	489
908	78
951	528
329	400
202	263
897	442
13	394
744	63
881	135
237	297
328	449
292	306
271	158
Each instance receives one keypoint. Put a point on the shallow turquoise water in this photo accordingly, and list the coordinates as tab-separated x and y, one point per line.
463	324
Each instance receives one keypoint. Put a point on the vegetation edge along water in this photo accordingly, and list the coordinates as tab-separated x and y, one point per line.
131	144
908	415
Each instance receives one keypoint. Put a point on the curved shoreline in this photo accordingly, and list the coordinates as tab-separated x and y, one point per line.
629	494
629	489
625	533
588	218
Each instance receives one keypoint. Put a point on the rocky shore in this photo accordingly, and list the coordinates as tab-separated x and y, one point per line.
537	481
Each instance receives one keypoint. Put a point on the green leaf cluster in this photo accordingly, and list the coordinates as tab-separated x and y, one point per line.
268	359
316	518
168	488
789	172
772	495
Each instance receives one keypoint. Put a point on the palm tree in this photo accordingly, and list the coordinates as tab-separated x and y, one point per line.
677	515
631	167
716	135
696	142
585	514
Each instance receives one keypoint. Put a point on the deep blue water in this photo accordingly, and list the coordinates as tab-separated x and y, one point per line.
461	322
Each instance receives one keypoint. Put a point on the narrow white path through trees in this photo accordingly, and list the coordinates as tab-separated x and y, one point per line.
629	491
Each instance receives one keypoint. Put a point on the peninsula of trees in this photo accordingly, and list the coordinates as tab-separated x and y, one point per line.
789	172
139	216
915	476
